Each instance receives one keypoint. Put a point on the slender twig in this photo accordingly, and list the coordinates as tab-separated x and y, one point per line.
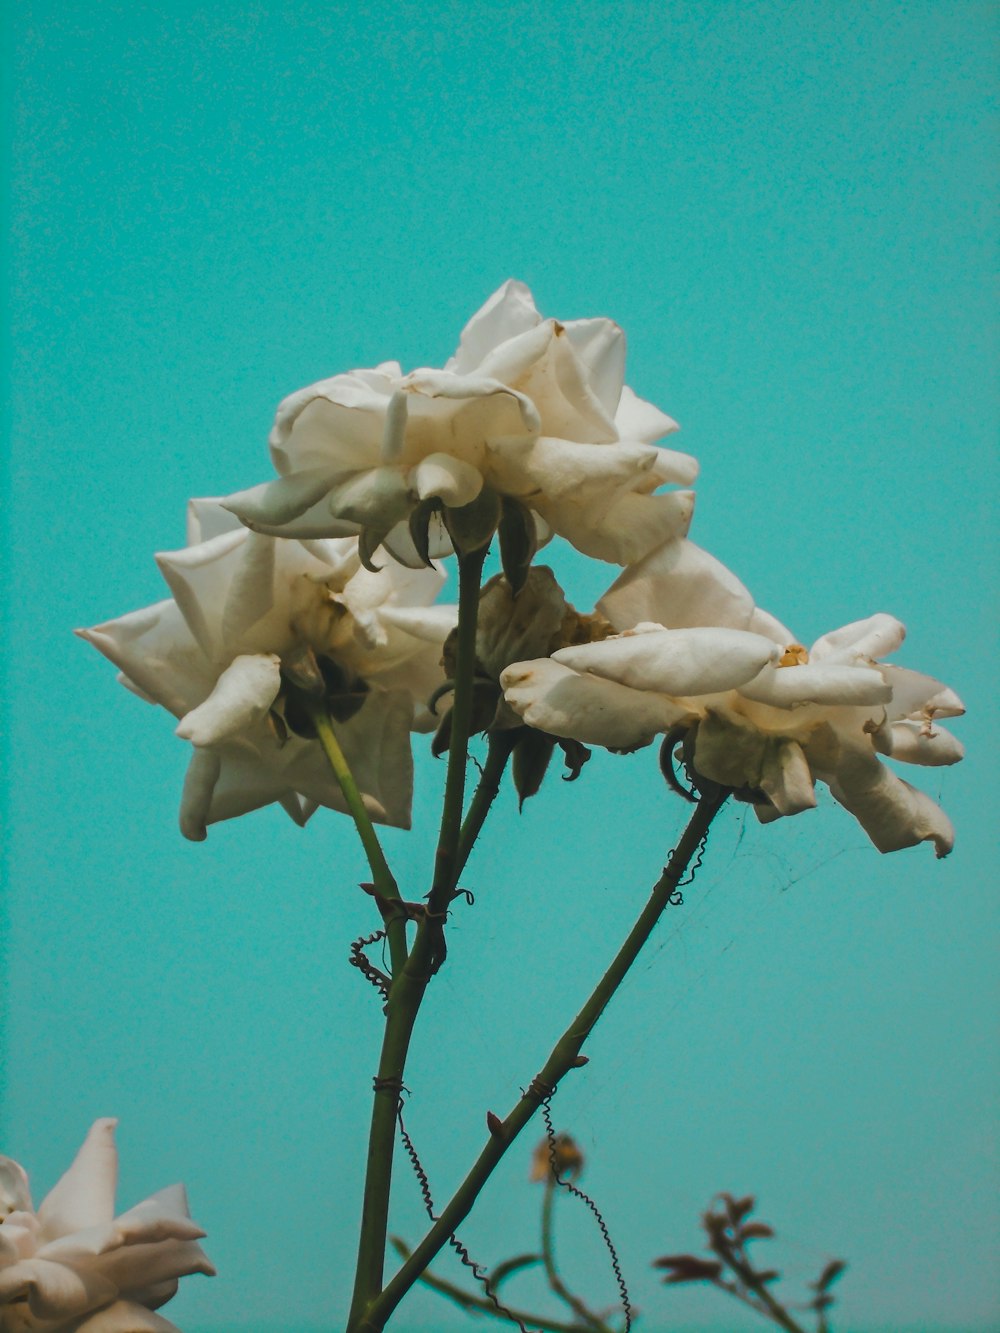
384	880
736	1259
467	1300
562	1058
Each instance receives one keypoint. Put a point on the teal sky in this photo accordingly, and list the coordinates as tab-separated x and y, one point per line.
789	208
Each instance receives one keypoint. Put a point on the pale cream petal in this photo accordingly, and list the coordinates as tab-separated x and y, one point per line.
126	1317
202	774
133	1267
51	1292
85	1195
729	751
786	687
682	662
277	503
316	522
634	525
918	743
590	474
600	346
199	577
450	480
242	697
862	640
892	813
431	624
337	425
15	1194
508	312
678	585
558	700
669	468
156	651
207	517
638	420
399	544
251	593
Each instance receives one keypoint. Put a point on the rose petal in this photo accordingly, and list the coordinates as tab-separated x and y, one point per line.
558	700
508	312
448	479
678	585
915	743
785	687
52	1291
862	640
85	1194
242	697
892	813
683	662
203	772
636	419
126	1317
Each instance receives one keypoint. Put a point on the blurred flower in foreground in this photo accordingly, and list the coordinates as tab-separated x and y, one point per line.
73	1267
249	614
563	1158
530	414
759	713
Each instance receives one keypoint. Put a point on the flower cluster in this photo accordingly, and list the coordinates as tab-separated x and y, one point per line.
74	1267
528	430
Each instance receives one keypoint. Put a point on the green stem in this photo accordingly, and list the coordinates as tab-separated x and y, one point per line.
385	883
772	1309
470	568
500	745
410	982
556	1283
562	1058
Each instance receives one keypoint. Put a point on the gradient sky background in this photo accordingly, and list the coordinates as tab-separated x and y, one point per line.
788	208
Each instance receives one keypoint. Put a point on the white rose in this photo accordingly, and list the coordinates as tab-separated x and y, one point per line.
246	608
74	1267
532	409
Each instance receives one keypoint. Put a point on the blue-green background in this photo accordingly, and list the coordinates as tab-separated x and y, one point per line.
788	206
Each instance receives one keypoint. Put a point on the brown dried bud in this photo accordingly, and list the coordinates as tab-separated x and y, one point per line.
564	1156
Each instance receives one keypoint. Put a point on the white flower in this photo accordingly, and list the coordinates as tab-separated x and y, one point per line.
530	408
73	1267
764	715
247	609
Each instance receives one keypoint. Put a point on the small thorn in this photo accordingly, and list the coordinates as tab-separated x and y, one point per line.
495	1125
580	1061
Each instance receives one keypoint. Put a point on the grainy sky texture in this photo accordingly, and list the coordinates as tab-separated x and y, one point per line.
788	207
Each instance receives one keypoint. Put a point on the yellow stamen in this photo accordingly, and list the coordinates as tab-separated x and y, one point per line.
794	655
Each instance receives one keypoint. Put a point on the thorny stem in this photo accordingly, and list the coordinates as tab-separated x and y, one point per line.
385	883
561	1059
587	1318
500	745
410	982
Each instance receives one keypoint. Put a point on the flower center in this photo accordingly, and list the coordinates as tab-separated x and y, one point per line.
794	655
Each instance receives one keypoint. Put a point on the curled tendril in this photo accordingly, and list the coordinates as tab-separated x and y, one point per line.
667	764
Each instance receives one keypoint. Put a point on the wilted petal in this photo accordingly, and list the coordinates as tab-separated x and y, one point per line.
785	777
85	1195
207	517
762	622
632	527
558	700
917	743
52	1291
892	813
915	695
683	662
378	499
678	585
242	697
862	640
430	624
315	522
786	687
202	775
199	578
336	425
